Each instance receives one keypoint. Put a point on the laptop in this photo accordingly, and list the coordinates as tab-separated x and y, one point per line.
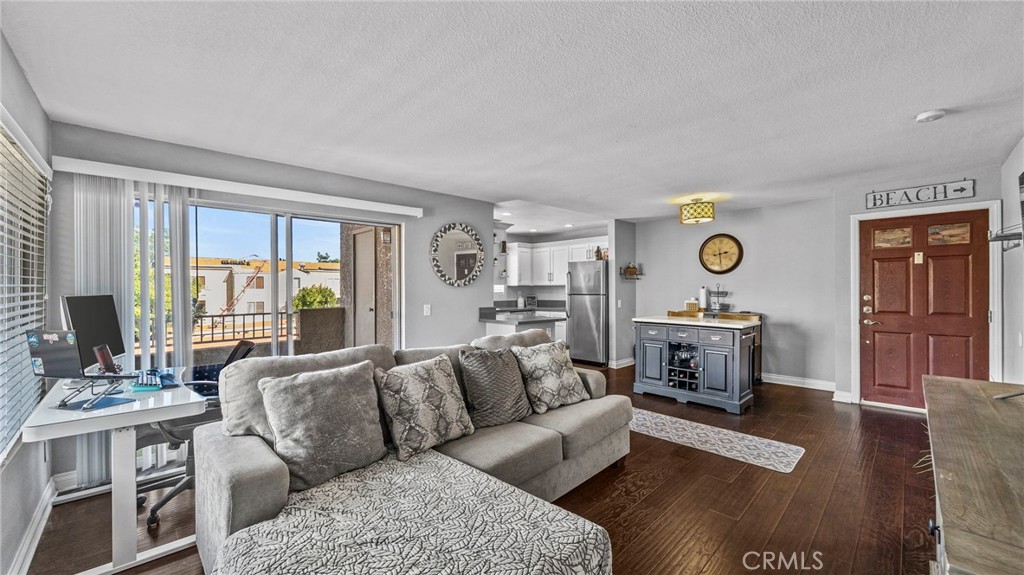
54	354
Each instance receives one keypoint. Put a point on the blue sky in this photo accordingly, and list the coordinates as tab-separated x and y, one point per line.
231	234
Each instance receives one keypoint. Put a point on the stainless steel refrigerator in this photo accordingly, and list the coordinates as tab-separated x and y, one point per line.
586	310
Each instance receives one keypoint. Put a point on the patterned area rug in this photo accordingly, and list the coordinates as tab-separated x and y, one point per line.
767	453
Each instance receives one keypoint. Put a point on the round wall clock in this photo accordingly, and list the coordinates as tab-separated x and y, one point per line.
721	253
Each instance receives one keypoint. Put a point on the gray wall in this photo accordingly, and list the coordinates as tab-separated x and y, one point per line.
25	471
622	248
787	273
851	201
21	102
1013	270
454	310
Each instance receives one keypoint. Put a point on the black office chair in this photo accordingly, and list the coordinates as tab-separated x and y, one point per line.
177	432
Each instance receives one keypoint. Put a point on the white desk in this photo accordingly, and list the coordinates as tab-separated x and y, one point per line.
48	422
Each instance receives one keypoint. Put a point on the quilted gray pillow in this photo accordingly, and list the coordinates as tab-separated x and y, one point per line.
549	377
424	404
494	387
325	423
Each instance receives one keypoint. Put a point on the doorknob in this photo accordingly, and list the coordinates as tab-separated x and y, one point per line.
871	322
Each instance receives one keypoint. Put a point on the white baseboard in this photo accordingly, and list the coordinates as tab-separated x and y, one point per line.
621	363
818	384
27	548
66	481
843	397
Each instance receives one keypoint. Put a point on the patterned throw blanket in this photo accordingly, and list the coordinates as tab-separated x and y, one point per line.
431	514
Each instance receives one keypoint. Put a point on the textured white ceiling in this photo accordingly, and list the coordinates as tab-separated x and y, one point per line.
535	218
603	108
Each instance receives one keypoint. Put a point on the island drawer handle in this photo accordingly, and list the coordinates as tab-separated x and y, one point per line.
652	332
716	337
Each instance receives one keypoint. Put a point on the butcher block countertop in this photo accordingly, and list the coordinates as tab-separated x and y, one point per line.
977	446
697	321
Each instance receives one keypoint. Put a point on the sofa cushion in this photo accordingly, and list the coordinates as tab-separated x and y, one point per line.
513	452
325	423
586	423
548	376
241	401
494	387
423	404
528	338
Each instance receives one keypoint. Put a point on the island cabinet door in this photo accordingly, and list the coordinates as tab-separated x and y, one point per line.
716	371
653	360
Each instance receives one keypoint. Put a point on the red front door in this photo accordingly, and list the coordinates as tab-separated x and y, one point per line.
923	303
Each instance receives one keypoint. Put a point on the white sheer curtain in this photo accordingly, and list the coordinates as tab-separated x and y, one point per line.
104	257
107	243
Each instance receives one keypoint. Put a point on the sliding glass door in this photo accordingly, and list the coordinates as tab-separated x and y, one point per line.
290	284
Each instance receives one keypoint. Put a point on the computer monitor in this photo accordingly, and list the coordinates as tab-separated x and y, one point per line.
94	320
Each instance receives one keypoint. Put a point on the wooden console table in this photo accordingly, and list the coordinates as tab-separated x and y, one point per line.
977	446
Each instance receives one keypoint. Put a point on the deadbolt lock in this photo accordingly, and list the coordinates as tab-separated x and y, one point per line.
866	309
867	298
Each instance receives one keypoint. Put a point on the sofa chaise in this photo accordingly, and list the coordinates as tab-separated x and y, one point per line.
480	489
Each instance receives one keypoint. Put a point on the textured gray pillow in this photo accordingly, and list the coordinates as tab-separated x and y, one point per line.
424	404
241	402
325	423
494	387
549	377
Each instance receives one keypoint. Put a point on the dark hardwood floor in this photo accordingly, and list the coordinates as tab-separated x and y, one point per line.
854	498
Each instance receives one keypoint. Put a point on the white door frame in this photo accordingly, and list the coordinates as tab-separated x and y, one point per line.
995	286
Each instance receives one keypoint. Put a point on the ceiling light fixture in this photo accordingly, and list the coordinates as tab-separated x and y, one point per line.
506	213
929	116
697	212
568	225
533	230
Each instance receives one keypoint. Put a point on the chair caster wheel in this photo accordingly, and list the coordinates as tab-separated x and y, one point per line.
140	500
152	521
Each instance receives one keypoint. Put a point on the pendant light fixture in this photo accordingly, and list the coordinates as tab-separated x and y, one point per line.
697	212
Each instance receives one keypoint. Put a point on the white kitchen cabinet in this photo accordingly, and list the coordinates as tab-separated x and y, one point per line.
579	253
520	265
559	265
541	266
586	249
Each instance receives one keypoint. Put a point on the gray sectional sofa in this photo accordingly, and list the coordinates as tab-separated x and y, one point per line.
241	482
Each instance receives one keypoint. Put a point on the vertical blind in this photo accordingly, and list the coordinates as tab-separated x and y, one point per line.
23	199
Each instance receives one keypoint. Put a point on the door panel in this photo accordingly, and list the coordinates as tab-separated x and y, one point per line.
716	364
949	355
364	288
949	285
652	364
893	283
923	301
893	360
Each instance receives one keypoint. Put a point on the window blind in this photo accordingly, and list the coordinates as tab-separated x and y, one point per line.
23	199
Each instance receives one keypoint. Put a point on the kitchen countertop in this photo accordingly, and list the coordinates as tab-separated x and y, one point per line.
697	321
522	318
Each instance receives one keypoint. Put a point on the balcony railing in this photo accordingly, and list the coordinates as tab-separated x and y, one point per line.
237	326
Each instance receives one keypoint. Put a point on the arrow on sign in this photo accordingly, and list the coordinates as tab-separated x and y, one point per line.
960	190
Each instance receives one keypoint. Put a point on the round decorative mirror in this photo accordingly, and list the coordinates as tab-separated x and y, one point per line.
457	254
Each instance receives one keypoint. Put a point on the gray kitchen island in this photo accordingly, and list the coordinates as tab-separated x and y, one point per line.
703	360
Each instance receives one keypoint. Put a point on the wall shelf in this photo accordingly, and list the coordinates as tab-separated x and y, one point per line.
632	272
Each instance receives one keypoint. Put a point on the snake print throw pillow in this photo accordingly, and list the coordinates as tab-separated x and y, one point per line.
424	405
549	376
